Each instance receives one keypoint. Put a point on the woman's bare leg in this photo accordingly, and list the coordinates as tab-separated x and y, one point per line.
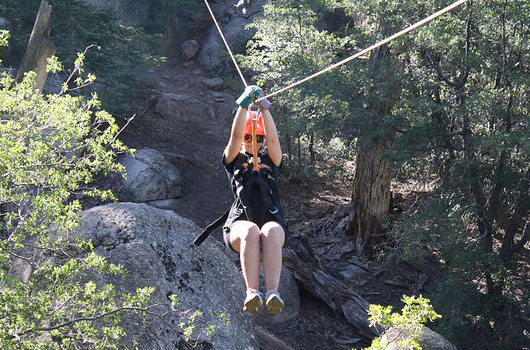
272	239
245	239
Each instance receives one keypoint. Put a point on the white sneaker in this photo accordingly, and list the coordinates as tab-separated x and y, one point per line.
274	302
253	301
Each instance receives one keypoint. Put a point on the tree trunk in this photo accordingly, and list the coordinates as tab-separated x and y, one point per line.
371	195
289	147
312	154
370	198
299	151
39	49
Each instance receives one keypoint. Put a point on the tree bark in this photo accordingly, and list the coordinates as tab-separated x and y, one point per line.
370	199
299	151
518	222
312	154
39	48
371	195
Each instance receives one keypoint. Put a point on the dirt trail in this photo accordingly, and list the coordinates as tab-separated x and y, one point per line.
194	148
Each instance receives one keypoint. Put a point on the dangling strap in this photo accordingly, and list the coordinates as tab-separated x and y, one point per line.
210	228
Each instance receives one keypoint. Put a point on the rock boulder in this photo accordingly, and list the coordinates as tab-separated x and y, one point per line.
234	17
248	8
5	24
291	296
236	34
182	107
151	177
216	84
155	246
190	49
429	341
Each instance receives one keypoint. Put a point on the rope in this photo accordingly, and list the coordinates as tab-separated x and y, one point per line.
226	44
380	43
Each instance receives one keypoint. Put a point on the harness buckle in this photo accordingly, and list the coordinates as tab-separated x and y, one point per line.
254	105
273	211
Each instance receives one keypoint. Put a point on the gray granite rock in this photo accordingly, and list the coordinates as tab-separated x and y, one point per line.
190	49
151	177
155	246
182	107
429	341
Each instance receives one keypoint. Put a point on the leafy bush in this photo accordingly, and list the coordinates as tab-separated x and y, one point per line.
414	314
51	147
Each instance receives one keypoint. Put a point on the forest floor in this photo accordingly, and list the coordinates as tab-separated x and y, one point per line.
313	206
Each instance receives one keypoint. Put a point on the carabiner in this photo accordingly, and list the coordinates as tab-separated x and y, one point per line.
258	114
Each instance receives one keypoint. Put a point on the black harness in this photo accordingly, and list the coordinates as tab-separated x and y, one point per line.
243	181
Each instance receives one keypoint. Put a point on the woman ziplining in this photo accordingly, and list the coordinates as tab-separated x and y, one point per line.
254	225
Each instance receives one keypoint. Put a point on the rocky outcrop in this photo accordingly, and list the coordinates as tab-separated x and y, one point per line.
430	340
129	12
216	84
155	246
233	17
151	177
5	24
290	295
54	83
190	49
248	8
183	108
236	35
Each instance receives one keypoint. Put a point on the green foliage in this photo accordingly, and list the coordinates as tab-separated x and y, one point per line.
465	94
76	25
409	323
51	149
4	37
188	320
288	47
444	226
170	17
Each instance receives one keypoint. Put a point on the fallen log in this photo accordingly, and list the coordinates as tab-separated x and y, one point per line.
268	341
309	271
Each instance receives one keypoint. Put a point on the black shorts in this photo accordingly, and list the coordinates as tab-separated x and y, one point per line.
269	217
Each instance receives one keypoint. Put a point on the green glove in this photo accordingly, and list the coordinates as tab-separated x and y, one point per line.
251	92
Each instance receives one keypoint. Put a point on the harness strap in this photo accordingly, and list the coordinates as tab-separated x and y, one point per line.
268	190
204	234
267	194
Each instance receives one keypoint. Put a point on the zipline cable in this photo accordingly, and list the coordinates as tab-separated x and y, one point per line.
375	46
226	44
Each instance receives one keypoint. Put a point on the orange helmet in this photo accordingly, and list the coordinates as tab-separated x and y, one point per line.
260	129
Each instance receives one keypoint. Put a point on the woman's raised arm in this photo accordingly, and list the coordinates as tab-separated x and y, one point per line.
236	135
273	143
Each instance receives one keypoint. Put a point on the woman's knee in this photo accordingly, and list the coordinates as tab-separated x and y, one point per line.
272	233
247	231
